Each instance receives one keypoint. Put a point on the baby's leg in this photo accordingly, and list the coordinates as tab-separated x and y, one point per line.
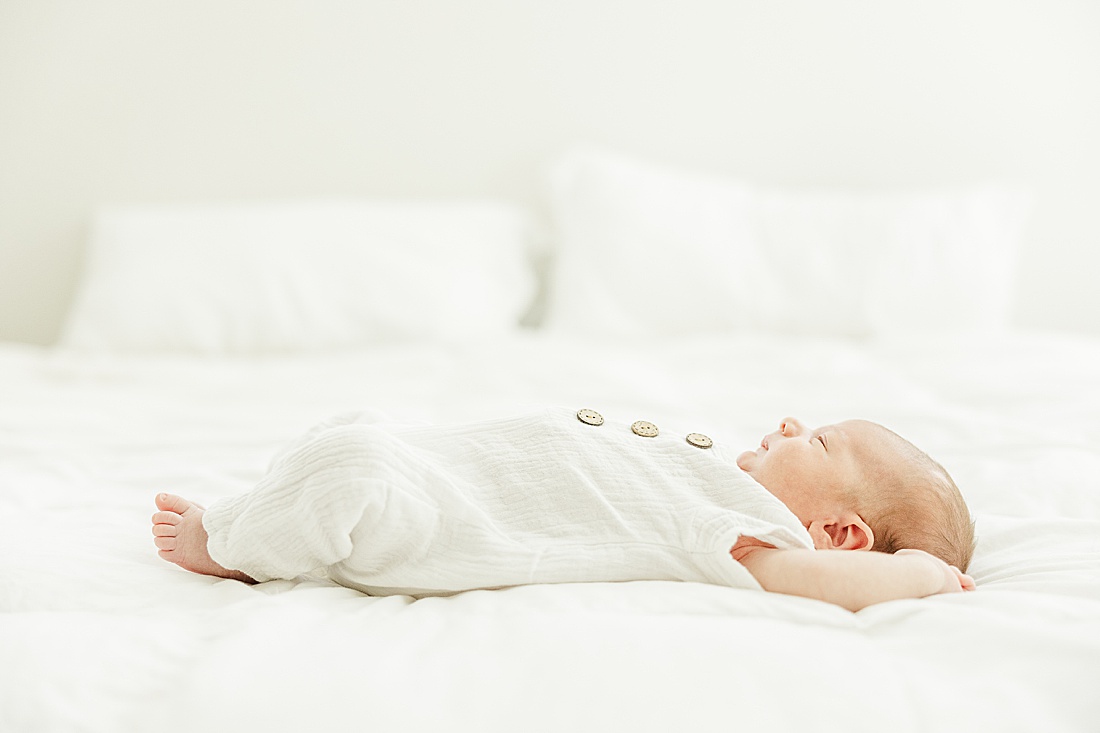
301	516
181	538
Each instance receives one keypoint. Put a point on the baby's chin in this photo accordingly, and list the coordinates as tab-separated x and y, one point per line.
746	460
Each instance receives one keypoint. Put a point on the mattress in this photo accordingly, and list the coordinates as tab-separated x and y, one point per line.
98	634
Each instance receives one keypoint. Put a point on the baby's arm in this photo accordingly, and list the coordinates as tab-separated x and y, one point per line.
852	579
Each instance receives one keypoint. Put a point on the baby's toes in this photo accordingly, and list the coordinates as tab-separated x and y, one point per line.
165	530
165	543
166	518
172	503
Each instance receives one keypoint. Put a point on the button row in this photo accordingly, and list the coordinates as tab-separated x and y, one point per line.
643	428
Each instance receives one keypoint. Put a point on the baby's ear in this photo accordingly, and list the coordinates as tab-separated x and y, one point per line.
845	532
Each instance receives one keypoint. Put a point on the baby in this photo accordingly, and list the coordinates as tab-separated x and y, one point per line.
563	496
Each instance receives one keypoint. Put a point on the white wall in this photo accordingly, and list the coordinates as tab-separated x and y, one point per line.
151	100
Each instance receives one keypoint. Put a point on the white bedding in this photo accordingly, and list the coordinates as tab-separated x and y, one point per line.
98	634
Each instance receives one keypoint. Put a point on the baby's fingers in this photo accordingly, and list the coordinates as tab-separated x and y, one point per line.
965	580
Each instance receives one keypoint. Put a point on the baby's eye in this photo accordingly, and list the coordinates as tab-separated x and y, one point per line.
821	438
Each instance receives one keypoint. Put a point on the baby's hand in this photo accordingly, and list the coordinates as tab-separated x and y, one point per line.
954	580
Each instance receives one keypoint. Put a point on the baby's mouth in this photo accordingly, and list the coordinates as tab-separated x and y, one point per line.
764	443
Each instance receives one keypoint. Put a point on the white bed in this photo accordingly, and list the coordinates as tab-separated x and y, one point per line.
98	634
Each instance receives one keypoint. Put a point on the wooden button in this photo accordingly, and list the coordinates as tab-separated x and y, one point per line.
590	417
699	440
644	429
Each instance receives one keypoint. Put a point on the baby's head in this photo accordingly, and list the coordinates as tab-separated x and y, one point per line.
857	486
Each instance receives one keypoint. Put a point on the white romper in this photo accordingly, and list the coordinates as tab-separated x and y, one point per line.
539	498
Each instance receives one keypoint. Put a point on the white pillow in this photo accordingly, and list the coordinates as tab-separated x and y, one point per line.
244	279
644	249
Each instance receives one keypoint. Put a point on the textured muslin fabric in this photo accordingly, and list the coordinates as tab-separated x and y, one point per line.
541	497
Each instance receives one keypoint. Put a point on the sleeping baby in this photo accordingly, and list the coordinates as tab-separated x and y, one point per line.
850	513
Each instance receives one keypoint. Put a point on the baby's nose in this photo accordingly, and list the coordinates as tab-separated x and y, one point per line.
789	426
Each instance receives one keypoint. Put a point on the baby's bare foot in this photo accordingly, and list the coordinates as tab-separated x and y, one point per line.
181	538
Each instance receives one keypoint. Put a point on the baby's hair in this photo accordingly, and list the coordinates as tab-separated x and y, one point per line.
912	502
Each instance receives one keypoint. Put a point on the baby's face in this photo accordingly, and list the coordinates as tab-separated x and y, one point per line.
810	470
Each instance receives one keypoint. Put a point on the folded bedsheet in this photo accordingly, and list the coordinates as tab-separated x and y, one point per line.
98	634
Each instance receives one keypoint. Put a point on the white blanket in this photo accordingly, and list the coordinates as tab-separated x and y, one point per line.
98	634
540	497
